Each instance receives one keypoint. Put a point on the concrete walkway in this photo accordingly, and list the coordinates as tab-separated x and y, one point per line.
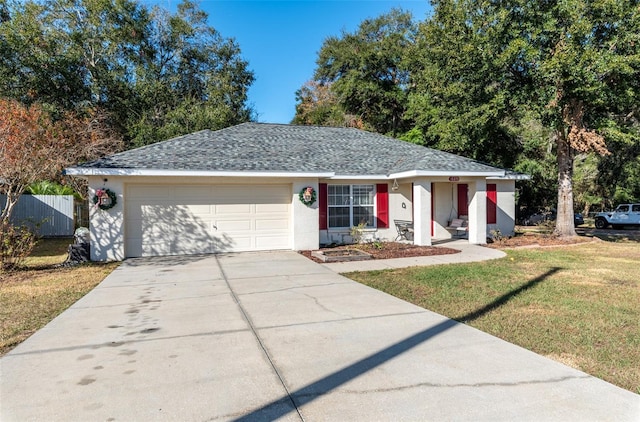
274	336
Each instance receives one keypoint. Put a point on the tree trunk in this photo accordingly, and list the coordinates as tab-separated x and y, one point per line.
12	194
565	225
11	200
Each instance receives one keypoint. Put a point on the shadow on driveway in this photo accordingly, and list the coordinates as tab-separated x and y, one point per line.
323	386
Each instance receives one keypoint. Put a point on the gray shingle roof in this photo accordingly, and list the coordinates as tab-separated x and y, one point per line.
262	147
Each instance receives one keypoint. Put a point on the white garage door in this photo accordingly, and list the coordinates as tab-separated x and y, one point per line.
193	219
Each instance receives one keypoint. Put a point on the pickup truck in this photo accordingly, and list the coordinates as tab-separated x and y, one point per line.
623	215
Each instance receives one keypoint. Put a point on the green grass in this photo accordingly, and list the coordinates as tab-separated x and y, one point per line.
34	295
579	305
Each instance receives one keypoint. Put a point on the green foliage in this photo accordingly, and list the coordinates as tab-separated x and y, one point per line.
367	72
486	71
158	74
317	105
357	232
461	100
191	79
46	187
414	136
517	84
16	244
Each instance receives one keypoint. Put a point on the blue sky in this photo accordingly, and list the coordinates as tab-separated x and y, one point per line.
281	39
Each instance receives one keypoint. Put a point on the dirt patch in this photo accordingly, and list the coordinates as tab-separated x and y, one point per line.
389	250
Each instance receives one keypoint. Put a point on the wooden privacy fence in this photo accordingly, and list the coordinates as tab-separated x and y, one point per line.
50	215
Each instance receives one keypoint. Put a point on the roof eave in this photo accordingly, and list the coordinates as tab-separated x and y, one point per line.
82	171
511	177
427	173
358	177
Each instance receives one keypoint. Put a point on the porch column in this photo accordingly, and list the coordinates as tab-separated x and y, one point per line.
478	212
422	213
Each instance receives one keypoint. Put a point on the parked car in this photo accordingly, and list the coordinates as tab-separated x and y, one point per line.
540	217
623	215
536	218
578	219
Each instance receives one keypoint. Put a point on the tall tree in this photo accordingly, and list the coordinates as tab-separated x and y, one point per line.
574	63
157	74
317	104
191	79
366	70
33	147
463	102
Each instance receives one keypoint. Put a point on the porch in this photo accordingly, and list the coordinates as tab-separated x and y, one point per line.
422	211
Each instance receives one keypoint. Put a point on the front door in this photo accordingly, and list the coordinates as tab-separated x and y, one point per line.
463	200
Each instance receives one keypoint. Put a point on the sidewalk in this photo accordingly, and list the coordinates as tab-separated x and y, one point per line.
468	253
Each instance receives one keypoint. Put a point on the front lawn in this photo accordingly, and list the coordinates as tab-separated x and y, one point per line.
33	296
579	305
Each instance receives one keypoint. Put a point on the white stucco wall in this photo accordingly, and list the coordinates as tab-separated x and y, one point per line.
107	226
305	232
397	198
506	209
400	205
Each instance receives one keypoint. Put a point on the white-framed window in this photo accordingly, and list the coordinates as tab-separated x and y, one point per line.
350	205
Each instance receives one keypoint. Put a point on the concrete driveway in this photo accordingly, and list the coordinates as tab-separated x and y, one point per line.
266	336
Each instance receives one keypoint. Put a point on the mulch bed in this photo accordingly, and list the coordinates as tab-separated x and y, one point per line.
387	250
538	240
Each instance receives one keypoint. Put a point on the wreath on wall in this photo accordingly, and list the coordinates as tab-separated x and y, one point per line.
105	199
308	196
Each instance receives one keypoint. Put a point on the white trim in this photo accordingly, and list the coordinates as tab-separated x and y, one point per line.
359	177
79	171
511	177
425	173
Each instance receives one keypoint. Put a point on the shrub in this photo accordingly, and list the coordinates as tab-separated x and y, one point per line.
51	188
357	232
16	244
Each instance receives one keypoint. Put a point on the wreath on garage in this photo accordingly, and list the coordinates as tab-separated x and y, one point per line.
308	196
105	199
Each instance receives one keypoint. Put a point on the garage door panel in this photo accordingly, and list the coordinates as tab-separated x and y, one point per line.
192	219
239	243
271	224
233	225
200	209
272	242
233	209
193	192
276	208
149	192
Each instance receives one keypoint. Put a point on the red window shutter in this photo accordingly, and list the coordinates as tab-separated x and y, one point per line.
322	205
492	203
463	207
433	207
382	203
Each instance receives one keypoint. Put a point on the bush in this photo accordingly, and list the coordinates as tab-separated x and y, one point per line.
16	244
357	232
